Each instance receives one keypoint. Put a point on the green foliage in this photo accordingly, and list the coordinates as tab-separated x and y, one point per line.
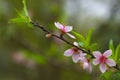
88	38
111	46
115	52
85	42
23	16
93	46
115	76
106	75
78	36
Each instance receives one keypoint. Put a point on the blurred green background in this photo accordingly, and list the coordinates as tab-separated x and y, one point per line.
26	54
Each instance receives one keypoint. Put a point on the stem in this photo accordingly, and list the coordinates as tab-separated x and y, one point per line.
61	38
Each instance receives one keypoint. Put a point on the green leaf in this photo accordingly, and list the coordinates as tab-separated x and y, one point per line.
23	16
78	36
93	46
25	10
111	46
17	20
106	75
88	38
81	44
115	76
117	53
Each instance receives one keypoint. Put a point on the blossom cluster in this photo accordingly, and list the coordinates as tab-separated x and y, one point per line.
78	56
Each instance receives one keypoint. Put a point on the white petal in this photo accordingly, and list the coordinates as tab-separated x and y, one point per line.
75	58
68	52
96	61
68	28
76	44
110	62
71	35
103	68
58	25
107	53
97	54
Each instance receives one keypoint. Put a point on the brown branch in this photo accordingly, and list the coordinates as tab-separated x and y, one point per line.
59	37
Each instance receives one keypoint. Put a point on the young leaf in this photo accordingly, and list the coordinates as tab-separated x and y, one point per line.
117	53
93	46
78	36
111	46
81	44
25	10
23	16
88	38
17	20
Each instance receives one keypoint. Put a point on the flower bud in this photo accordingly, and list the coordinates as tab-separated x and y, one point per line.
48	35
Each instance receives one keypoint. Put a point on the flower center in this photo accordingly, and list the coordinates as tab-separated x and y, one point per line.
63	30
76	51
103	59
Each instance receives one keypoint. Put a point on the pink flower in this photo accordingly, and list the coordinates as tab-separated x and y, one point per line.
74	52
64	29
85	63
103	60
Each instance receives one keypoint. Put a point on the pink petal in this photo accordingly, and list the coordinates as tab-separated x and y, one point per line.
68	52
97	54
85	65
58	25
82	54
82	57
90	68
107	53
110	62
68	28
71	35
103	68
75	58
96	61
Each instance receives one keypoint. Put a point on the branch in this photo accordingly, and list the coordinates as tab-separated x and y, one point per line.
36	24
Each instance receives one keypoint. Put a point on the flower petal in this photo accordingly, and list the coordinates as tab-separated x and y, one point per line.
58	25
83	59
96	61
68	52
68	28
75	58
90	68
97	54
103	68
85	65
82	54
110	62
71	35
107	53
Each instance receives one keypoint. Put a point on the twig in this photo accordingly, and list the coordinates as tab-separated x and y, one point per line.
59	37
